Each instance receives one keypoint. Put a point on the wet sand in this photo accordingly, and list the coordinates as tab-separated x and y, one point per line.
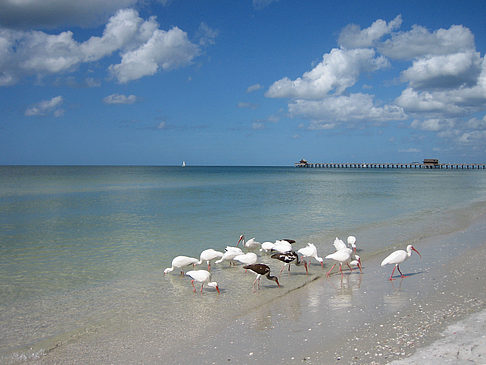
361	318
350	319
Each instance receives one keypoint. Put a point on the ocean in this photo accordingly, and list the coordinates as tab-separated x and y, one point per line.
83	248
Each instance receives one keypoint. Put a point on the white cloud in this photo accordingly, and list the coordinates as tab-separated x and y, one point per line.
433	125
260	4
144	49
162	125
338	71
257	125
46	107
253	88
444	71
165	50
206	35
245	105
420	42
120	99
352	108
410	150
353	37
53	13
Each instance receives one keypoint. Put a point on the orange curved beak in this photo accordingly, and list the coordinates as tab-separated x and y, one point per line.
217	289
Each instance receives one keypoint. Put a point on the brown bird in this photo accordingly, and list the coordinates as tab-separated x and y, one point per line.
261	269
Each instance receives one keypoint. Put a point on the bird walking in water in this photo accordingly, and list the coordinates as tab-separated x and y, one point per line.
287	258
180	262
356	262
247	259
397	257
209	255
203	277
229	254
250	244
340	256
310	251
261	269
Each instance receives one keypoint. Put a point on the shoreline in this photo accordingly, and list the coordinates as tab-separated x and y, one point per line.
356	319
393	320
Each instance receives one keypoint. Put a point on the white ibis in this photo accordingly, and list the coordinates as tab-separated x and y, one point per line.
287	258
267	246
251	243
352	243
310	251
229	254
282	246
261	269
340	256
209	255
356	262
340	245
180	262
247	259
202	276
397	257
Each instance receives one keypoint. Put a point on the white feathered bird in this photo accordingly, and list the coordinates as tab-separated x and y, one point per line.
397	257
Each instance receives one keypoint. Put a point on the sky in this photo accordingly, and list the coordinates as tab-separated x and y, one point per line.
248	82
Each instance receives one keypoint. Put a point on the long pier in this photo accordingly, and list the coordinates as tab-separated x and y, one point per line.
392	165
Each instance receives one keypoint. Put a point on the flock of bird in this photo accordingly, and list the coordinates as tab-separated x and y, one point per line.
283	251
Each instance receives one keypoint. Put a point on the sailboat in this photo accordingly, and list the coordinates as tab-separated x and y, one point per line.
183	163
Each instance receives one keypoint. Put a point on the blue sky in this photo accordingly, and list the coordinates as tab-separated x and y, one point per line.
244	82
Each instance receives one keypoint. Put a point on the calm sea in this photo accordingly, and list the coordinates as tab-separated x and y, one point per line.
82	249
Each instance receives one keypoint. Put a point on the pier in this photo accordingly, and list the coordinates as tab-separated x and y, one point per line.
427	164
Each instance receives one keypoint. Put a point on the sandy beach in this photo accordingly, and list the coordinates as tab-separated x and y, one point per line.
435	313
372	320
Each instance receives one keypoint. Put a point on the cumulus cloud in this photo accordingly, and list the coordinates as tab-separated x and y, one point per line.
443	81
352	36
420	42
338	71
444	71
120	99
46	107
352	108
144	49
164	50
54	13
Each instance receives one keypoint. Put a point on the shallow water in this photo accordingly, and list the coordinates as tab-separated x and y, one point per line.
82	249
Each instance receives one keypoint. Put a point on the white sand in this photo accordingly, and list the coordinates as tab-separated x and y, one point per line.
464	343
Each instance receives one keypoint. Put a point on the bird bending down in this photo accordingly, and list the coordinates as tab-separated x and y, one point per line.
356	262
352	243
310	251
247	259
267	246
180	262
209	255
261	269
229	254
282	246
287	258
340	256
397	257
202	276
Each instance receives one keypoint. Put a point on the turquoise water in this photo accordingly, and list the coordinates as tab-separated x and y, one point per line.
84	247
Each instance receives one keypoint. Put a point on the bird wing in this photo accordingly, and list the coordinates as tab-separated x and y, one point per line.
395	257
339	244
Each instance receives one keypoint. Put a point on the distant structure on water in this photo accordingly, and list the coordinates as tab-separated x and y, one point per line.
429	163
